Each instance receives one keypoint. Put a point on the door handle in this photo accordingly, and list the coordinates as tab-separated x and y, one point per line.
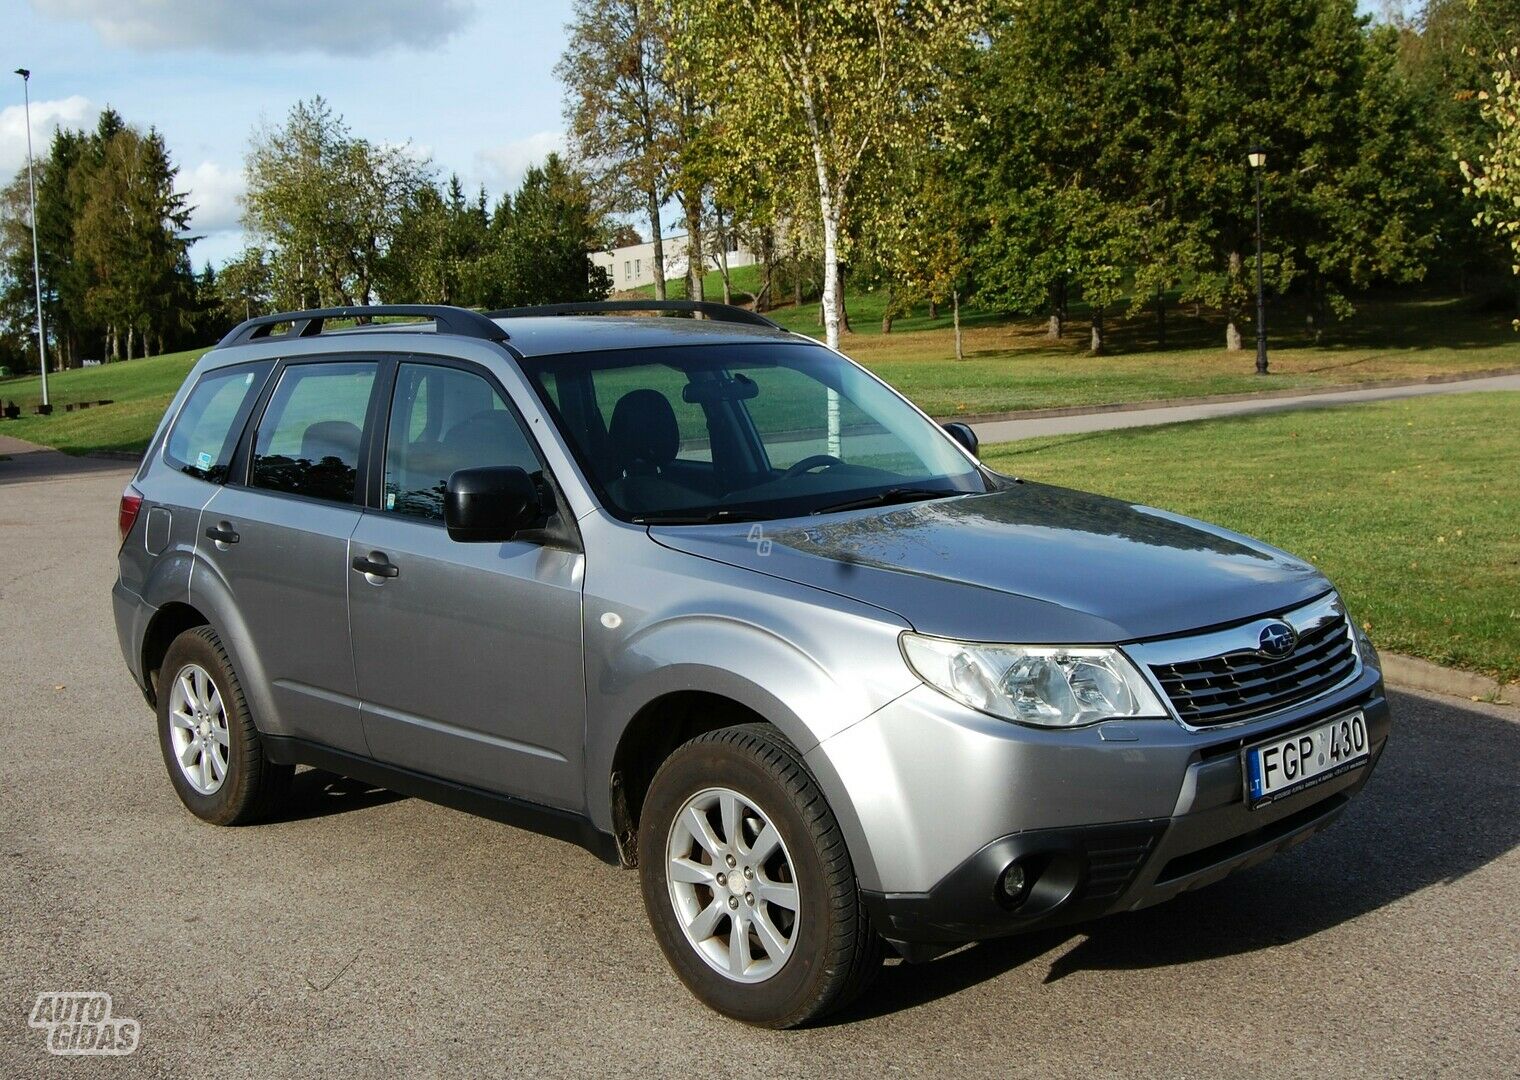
223	533
377	564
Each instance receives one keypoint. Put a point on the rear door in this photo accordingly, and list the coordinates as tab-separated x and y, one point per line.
278	539
469	658
181	474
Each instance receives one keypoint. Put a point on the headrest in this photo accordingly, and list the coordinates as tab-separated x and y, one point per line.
331	438
644	429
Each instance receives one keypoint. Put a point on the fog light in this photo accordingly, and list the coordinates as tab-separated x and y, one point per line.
1013	882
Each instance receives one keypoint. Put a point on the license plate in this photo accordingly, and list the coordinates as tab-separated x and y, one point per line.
1291	763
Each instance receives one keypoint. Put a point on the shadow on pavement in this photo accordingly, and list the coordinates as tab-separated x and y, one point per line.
1443	803
22	463
315	793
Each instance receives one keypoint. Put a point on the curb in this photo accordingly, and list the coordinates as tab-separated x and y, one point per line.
1222	399
1415	674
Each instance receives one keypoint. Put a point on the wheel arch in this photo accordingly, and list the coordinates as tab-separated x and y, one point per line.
665	722
168	622
211	595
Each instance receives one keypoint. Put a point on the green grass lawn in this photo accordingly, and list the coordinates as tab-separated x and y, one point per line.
1412	508
1010	364
140	390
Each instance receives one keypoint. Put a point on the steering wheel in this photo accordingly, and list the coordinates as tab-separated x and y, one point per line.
808	464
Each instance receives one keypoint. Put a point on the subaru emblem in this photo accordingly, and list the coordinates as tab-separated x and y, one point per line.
1277	640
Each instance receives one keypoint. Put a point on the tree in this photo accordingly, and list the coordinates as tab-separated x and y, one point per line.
837	82
435	256
1068	87
1370	214
547	236
620	109
130	236
245	286
1290	76
328	203
60	200
1445	56
921	236
1113	158
1494	179
624	235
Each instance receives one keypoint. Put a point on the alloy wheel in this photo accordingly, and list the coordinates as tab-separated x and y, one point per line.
732	885
198	729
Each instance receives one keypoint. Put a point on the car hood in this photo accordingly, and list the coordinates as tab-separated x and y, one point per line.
1032	563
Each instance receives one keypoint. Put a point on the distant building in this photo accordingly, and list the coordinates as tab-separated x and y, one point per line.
633	265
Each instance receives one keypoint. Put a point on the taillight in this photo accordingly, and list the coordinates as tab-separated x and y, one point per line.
126	513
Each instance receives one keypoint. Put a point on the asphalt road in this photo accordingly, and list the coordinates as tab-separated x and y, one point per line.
369	934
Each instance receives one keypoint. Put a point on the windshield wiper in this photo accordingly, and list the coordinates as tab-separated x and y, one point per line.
886	498
708	517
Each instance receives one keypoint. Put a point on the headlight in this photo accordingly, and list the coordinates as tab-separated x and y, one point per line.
1045	685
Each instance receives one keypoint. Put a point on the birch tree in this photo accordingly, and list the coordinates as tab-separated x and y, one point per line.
1495	177
838	81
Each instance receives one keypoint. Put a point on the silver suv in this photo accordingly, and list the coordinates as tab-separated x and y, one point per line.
709	599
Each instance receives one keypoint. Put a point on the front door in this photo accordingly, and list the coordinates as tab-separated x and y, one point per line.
468	655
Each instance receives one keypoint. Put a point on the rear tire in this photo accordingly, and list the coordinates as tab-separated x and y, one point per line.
210	746
769	841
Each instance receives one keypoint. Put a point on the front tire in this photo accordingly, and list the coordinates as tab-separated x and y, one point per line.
748	884
210	745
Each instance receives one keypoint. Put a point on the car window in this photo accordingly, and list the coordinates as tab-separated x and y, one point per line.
614	384
308	440
206	430
795	406
778	429
442	420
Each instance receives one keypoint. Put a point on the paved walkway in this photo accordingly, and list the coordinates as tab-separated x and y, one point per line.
995	431
23	462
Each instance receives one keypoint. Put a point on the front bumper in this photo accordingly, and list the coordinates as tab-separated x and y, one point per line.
936	802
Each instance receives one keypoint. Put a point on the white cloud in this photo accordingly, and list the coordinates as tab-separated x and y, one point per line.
503	166
214	192
217	249
337	27
47	117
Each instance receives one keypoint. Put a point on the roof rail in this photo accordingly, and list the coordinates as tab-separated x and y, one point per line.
447	320
717	312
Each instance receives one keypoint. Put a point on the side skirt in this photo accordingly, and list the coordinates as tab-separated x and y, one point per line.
548	820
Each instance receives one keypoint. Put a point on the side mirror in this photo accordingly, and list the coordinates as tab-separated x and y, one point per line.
963	434
491	505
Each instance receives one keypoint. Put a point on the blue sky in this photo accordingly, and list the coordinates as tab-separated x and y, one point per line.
470	84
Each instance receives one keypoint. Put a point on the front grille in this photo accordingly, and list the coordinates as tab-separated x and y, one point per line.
1242	684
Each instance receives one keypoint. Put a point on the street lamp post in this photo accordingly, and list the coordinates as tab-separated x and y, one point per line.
1258	159
31	181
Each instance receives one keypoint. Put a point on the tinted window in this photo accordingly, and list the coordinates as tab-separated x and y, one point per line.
308	440
442	420
206	431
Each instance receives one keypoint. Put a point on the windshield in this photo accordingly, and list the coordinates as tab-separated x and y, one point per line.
714	432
